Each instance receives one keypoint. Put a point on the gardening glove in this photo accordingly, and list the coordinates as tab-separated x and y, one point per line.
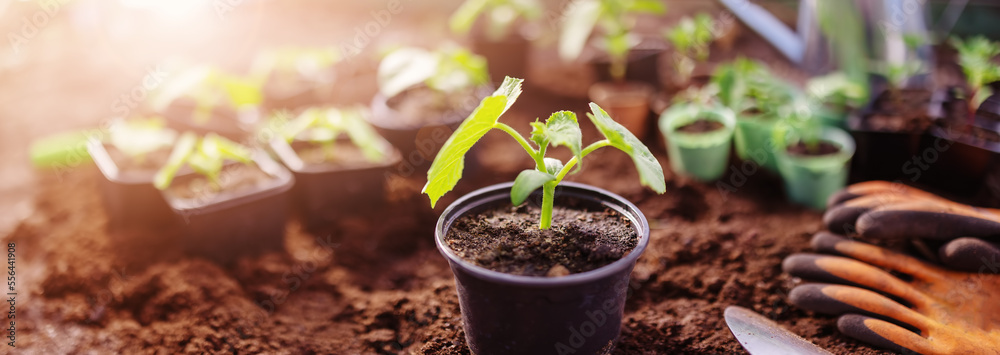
879	209
947	312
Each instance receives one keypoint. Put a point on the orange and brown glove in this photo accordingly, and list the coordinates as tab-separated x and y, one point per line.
880	209
945	312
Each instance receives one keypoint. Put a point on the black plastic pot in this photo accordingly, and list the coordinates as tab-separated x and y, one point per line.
883	155
235	223
419	144
511	314
954	161
323	192
505	57
129	197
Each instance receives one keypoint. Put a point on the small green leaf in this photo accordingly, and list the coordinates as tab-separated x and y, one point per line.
580	19
655	7
404	68
553	166
182	150
650	171
527	182
561	129
447	167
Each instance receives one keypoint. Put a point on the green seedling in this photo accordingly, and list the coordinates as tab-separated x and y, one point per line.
975	55
837	91
500	14
324	126
210	88
561	129
691	38
616	19
897	74
289	63
206	156
798	119
139	137
445	70
738	83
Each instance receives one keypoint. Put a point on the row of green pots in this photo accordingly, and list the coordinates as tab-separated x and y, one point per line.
809	180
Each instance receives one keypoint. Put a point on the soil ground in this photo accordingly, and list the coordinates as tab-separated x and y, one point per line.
377	285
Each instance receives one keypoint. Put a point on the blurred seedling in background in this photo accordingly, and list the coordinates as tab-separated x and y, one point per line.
136	138
446	70
210	88
561	129
837	91
287	65
500	16
691	38
616	20
325	126
206	156
975	55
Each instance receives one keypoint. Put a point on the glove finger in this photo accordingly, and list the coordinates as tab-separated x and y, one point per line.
838	299
831	243
843	217
884	334
971	255
877	187
927	220
841	270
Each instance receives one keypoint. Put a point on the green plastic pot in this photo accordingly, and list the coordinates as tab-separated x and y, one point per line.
700	155
810	180
754	142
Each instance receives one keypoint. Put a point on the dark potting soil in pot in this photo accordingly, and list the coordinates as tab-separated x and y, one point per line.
701	126
822	148
422	105
151	161
507	239
344	154
902	111
233	178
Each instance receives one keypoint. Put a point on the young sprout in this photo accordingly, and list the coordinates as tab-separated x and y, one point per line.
561	129
975	55
737	81
897	74
325	126
501	15
293	62
139	137
616	19
837	90
210	88
446	70
205	156
691	39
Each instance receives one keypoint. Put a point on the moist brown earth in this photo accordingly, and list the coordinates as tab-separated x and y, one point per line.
233	177
701	126
900	111
822	148
343	154
507	239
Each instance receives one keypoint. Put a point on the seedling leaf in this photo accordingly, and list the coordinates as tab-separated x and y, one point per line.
182	150
561	129
404	68
463	18
650	172
447	167
527	182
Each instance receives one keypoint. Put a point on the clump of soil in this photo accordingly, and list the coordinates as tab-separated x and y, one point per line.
507	239
344	154
233	178
424	106
900	111
151	161
701	126
820	149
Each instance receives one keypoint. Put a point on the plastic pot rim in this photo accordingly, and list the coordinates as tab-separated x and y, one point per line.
287	155
492	193
677	116
833	135
282	182
380	109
